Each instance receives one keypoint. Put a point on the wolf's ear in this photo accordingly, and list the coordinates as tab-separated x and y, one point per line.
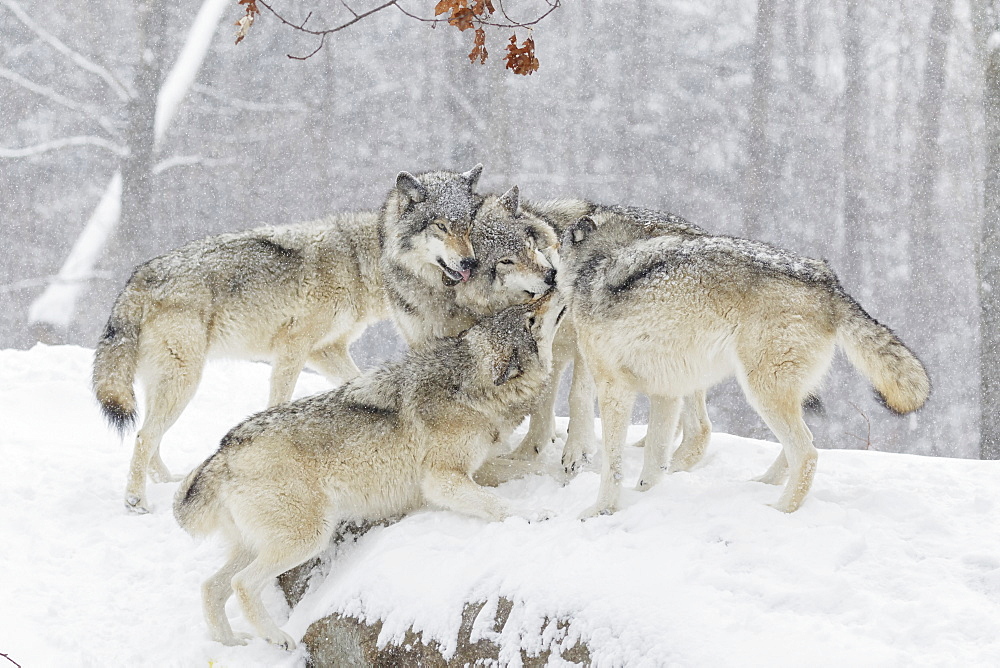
472	176
408	184
580	230
506	367
511	200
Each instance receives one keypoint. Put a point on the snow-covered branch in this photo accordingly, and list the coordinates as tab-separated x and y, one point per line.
67	142
88	109
78	59
185	69
57	303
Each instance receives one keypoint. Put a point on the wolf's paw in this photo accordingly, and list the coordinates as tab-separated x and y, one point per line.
648	481
135	504
641	443
574	458
235	639
769	478
282	640
681	464
597	510
530	446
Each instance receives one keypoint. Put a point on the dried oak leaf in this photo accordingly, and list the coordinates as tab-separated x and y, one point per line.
450	6
482	7
479	49
462	19
247	19
521	59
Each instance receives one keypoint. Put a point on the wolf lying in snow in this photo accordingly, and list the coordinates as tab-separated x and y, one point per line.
671	315
398	438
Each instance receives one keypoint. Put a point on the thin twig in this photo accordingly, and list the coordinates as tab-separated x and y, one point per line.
868	439
10	659
478	21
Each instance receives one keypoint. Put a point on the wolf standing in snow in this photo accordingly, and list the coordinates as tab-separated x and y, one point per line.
400	437
292	295
673	315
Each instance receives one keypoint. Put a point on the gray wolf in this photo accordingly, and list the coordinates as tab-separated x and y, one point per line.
407	435
559	215
672	315
426	225
291	295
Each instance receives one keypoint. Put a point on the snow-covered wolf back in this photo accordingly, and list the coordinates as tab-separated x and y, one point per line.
291	295
672	315
402	436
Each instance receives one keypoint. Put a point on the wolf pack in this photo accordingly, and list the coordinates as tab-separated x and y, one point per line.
494	297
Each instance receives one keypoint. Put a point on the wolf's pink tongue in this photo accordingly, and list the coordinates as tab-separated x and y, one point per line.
465	273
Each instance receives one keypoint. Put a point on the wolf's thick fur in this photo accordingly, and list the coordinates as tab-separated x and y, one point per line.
406	435
559	215
293	295
672	315
426	223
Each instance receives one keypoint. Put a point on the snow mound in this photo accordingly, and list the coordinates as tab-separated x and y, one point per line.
893	560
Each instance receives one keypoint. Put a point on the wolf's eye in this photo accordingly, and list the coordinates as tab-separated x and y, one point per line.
506	260
441	227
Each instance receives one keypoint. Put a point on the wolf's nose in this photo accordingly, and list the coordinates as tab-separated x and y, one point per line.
550	277
468	264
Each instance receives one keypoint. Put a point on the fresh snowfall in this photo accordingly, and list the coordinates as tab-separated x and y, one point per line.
893	560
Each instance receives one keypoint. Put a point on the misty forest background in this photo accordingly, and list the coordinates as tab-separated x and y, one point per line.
858	132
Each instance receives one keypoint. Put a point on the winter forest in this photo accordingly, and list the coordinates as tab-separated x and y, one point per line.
864	133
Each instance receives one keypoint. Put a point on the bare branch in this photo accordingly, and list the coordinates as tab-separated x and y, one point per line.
189	160
88	109
29	283
248	105
7	656
58	45
476	21
67	142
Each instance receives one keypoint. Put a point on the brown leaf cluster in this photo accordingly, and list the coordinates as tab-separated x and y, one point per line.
521	59
247	19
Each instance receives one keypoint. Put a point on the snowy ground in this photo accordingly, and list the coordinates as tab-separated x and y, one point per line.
893	560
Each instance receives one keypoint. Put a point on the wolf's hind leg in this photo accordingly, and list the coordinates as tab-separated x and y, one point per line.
283	552
663	414
216	590
776	474
334	361
697	430
168	393
779	403
454	490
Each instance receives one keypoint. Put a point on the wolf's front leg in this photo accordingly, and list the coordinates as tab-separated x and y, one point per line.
542	428
616	409
454	490
580	441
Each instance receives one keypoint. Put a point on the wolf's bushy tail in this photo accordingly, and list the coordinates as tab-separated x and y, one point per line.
900	379
116	360
195	506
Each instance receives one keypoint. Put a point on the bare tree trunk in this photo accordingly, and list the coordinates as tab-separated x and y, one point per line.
988	264
926	159
137	168
855	208
758	178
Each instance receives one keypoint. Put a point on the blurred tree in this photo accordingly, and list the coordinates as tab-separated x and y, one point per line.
987	15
